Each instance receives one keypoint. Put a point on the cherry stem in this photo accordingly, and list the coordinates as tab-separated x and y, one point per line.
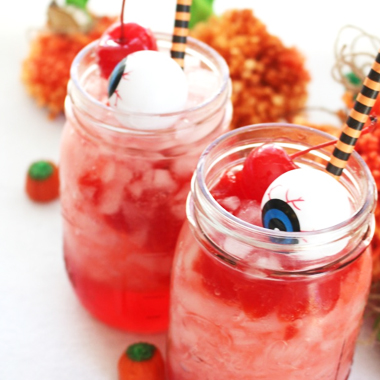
365	130
122	37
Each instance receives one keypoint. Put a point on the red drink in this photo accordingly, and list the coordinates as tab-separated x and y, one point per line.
252	303
124	190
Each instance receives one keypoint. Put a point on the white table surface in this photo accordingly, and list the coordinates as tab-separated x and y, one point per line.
44	332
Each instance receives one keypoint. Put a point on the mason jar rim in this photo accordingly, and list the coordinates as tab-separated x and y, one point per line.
193	45
214	209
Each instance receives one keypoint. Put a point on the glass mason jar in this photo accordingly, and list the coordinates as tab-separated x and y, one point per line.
253	303
124	188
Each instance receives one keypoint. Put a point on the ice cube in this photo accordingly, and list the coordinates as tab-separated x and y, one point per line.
236	248
179	211
143	179
231	204
182	193
97	88
107	170
250	212
112	197
178	207
184	168
136	189
163	180
197	126
203	84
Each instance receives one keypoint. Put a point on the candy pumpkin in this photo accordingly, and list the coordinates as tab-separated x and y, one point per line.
141	361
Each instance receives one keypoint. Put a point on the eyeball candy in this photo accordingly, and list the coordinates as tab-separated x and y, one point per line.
304	199
150	83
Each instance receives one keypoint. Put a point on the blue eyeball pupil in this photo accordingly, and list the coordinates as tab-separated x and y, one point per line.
116	76
273	219
278	215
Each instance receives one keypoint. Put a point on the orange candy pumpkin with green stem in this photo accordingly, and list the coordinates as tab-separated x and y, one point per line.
141	361
42	181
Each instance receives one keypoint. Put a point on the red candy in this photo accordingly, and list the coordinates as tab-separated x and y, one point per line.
263	165
117	42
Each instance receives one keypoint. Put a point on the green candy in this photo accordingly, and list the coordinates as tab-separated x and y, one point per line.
140	352
77	3
201	10
40	170
353	79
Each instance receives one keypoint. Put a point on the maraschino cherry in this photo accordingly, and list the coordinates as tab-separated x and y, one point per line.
119	40
262	166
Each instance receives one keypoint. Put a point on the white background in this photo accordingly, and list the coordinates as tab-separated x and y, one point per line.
44	333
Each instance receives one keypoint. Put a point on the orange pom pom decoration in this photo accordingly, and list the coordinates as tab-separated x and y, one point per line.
42	181
141	361
269	80
46	70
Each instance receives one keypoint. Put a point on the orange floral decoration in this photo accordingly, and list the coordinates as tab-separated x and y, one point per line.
269	80
46	70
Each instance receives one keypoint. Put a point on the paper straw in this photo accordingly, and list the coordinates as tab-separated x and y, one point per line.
356	120
181	31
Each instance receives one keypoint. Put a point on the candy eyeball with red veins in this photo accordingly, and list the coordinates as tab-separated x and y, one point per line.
149	83
303	200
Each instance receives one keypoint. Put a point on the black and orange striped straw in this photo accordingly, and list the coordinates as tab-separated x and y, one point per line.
355	121
181	31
